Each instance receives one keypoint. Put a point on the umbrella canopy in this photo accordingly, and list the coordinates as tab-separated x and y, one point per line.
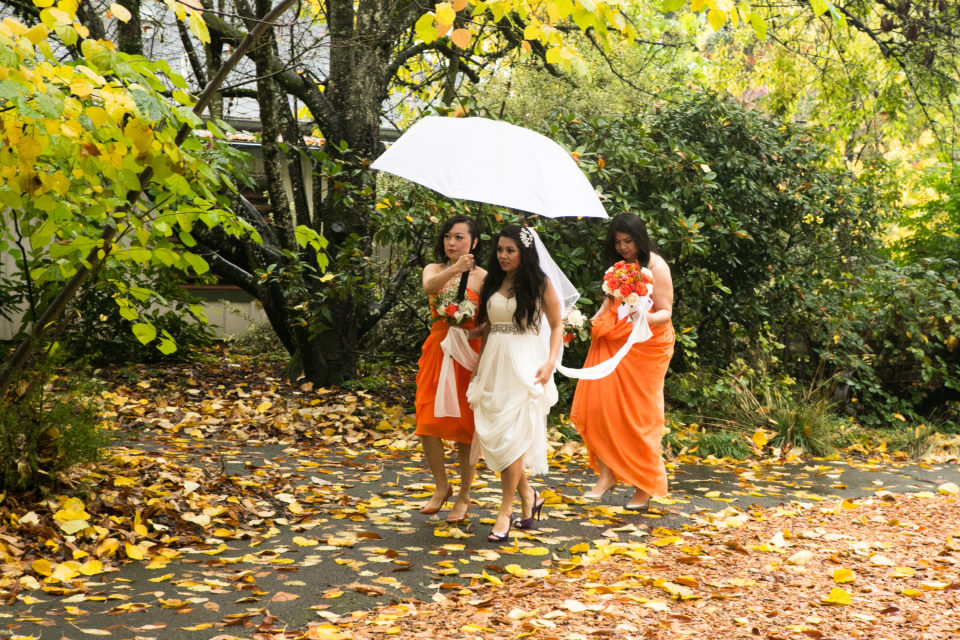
495	162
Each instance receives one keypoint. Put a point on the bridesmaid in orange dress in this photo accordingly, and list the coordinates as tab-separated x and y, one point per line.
456	240
620	416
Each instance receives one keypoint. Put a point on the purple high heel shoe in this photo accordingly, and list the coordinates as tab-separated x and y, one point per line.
500	537
527	523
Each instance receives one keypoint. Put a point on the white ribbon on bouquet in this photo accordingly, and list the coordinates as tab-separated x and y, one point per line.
455	347
640	333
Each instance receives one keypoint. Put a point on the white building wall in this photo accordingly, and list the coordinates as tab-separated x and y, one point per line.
8	327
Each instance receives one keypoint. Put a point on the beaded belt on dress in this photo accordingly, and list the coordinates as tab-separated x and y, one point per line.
508	327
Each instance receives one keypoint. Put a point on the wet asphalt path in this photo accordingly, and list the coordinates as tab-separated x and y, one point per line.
368	545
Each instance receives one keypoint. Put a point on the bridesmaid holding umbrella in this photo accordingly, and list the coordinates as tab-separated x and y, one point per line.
442	410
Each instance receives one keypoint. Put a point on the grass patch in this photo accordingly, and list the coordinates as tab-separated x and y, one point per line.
915	441
800	419
722	444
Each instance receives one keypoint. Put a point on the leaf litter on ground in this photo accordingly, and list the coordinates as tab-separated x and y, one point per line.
184	488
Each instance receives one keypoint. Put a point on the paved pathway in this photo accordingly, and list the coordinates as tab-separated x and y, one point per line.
369	546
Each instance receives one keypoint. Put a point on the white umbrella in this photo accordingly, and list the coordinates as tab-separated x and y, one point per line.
495	162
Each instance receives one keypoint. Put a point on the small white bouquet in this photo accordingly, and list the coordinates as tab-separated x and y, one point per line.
575	325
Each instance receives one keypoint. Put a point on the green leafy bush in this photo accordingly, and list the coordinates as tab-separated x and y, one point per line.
931	228
887	333
737	203
102	333
46	429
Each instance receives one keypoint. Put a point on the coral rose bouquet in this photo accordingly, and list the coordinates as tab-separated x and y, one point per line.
575	326
631	285
454	312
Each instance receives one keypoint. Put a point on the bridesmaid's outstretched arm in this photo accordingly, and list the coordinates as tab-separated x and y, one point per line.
435	276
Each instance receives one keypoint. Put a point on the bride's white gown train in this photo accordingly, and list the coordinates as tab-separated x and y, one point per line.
509	408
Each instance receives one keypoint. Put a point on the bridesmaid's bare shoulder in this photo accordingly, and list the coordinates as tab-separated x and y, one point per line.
656	260
432	269
658	266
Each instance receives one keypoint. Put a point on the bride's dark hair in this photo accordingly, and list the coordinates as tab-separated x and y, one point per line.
528	281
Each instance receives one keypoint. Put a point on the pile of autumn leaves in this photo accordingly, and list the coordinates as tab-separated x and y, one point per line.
883	567
148	502
871	568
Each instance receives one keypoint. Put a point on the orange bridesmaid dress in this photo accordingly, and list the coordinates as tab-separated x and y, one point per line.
620	416
431	359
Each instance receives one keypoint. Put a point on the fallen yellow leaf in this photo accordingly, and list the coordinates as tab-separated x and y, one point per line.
162	578
949	488
838	596
843	575
535	551
494	579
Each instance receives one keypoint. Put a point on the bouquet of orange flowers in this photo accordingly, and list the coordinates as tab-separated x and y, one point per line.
453	311
629	283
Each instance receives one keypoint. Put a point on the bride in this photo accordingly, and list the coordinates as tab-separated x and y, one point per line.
513	389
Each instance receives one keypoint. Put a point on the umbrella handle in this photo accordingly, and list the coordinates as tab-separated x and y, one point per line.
462	288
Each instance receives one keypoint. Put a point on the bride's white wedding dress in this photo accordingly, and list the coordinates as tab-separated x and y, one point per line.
509	408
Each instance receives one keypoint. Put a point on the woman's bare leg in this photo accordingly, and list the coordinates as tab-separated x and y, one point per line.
605	482
435	455
467	470
510	479
526	497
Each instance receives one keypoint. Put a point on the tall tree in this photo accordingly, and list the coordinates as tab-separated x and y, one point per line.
343	67
98	165
346	67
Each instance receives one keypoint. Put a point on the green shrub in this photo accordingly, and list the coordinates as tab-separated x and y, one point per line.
259	340
739	204
801	417
44	430
723	444
931	228
887	335
102	332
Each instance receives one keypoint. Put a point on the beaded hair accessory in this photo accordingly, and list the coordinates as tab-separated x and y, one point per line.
526	237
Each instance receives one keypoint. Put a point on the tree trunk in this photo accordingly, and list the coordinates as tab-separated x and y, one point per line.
130	33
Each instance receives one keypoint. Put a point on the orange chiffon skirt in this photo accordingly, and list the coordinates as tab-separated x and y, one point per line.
431	359
620	417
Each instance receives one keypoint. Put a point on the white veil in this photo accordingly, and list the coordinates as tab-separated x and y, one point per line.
566	292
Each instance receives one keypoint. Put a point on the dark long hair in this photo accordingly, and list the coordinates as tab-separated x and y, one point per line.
627	223
439	252
528	281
